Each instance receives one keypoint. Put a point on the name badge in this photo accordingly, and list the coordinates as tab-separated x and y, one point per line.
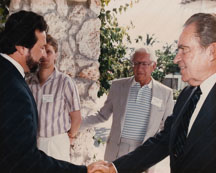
156	101
47	98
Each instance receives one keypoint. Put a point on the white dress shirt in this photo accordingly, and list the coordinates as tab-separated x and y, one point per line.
15	63
205	87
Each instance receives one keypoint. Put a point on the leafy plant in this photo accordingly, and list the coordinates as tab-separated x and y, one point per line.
113	48
98	141
176	94
165	63
4	11
149	41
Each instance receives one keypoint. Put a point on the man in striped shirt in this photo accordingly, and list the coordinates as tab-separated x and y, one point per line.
139	104
58	105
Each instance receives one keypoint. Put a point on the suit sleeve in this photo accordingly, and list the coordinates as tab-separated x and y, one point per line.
103	114
18	134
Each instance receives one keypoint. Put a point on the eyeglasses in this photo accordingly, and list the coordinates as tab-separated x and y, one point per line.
144	64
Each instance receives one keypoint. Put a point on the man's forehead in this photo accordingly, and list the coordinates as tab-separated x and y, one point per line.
186	39
141	55
40	34
41	37
188	31
49	46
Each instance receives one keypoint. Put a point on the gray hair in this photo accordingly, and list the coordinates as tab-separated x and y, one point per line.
147	50
205	27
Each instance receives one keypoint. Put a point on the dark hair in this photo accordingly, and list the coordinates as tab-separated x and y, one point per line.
205	27
53	42
20	30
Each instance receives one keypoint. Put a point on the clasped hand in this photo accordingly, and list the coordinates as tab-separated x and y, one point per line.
101	167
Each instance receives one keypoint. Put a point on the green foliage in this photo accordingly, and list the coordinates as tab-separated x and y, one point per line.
3	12
113	63
113	49
176	94
98	140
165	63
149	41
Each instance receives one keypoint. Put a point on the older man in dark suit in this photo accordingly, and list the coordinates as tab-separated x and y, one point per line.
22	44
189	134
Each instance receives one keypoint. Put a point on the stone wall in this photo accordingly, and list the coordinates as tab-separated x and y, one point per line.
76	26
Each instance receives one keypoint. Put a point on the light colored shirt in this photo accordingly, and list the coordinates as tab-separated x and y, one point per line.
15	63
205	87
55	100
137	111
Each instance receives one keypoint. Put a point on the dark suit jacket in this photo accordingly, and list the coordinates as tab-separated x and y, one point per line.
200	147
18	128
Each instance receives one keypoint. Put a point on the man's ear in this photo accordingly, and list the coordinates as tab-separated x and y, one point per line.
20	50
212	51
154	65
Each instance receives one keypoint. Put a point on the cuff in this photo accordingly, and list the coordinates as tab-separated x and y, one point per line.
114	167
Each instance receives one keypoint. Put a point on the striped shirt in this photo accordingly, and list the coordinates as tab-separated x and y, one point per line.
137	112
55	100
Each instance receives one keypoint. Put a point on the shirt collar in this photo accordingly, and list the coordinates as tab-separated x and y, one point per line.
207	85
134	83
15	63
52	76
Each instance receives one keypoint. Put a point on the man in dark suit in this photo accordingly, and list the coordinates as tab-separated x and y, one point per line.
22	44
189	136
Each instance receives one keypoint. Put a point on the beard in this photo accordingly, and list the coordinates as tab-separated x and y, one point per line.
31	63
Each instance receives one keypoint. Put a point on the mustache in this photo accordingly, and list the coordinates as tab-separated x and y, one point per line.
42	59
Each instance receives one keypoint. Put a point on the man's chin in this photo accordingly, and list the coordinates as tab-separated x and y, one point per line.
32	64
43	66
184	79
139	78
191	82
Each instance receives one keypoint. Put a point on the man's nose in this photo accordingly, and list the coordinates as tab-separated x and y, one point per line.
44	54
139	67
177	58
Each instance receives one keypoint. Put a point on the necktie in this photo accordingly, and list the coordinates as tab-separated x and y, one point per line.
181	136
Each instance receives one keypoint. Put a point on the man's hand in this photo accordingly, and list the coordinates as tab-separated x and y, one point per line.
76	119
101	167
71	138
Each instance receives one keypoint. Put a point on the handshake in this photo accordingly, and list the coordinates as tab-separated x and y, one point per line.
101	167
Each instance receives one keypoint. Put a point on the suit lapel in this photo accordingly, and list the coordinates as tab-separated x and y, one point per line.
180	112
13	70
204	119
34	106
124	92
156	92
